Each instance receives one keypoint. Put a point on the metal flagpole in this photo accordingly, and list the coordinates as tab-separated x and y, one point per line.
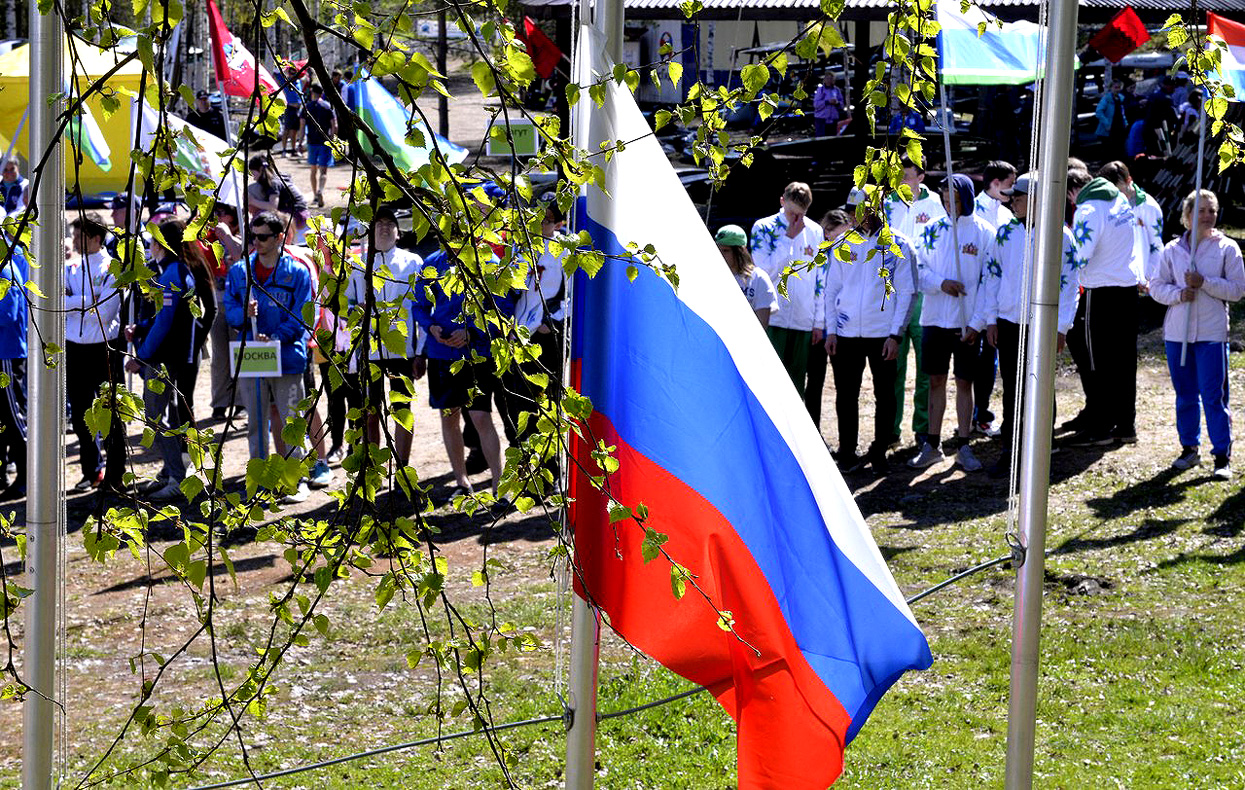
46	404
585	624
1052	189
1194	231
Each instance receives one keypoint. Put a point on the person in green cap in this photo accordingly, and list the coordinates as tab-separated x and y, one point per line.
756	285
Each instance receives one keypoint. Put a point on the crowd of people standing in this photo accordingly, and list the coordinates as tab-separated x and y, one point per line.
950	290
251	280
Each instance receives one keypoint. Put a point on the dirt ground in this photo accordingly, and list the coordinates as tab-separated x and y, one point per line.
106	604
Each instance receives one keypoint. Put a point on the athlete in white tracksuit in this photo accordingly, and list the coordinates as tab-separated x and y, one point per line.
953	313
1005	308
868	300
1104	230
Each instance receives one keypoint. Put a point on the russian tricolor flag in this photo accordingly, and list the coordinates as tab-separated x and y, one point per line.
1232	66
713	439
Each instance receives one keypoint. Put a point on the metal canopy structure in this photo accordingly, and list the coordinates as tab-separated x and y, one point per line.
1091	12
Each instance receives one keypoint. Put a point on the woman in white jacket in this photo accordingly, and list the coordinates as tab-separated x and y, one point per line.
868	303
1197	289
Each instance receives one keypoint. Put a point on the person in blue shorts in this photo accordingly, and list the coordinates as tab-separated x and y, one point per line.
291	89
320	123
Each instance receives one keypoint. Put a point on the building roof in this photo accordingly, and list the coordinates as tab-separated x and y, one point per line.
1091	11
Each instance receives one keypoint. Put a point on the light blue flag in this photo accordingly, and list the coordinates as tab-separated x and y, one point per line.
1009	55
84	134
390	119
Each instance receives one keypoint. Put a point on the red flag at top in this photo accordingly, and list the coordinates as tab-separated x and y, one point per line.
236	69
544	53
1124	33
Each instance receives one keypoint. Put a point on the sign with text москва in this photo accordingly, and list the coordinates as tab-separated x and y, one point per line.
260	358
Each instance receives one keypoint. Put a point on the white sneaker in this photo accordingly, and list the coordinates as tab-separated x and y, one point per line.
321	475
1223	468
965	458
298	496
928	456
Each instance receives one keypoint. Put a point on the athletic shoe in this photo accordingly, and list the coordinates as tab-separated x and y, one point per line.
1088	439
1075	424
851	463
1124	436
985	429
336	455
149	486
928	456
299	495
89	482
879	465
321	475
166	493
965	458
320	199
1223	468
1188	459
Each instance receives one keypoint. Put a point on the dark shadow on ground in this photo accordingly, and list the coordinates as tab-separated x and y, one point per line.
240	566
1161	490
936	500
1228	519
1148	529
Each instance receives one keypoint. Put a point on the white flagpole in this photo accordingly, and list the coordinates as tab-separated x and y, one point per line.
46	405
585	624
1194	231
13	142
1039	402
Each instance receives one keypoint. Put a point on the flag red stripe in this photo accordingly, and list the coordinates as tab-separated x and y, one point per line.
1231	32
216	25
785	713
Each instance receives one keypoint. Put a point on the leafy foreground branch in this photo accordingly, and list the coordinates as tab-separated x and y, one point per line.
383	524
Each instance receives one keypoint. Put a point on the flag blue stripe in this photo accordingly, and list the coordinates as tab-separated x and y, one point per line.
669	386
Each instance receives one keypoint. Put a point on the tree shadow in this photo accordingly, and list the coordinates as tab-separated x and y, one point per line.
240	566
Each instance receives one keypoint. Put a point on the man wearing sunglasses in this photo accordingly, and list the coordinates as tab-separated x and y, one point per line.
264	298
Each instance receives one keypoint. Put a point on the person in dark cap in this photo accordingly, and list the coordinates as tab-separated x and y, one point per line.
953	315
206	116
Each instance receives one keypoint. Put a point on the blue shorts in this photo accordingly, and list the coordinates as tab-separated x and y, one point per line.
290	118
319	155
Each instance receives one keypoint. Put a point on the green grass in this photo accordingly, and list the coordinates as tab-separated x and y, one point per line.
1141	661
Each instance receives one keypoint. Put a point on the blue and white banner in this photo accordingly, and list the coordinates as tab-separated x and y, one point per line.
1009	55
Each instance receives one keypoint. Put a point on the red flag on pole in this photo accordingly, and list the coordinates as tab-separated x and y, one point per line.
544	53
236	69
1120	36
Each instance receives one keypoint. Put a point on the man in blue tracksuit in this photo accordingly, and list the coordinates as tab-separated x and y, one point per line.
13	319
453	335
268	290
